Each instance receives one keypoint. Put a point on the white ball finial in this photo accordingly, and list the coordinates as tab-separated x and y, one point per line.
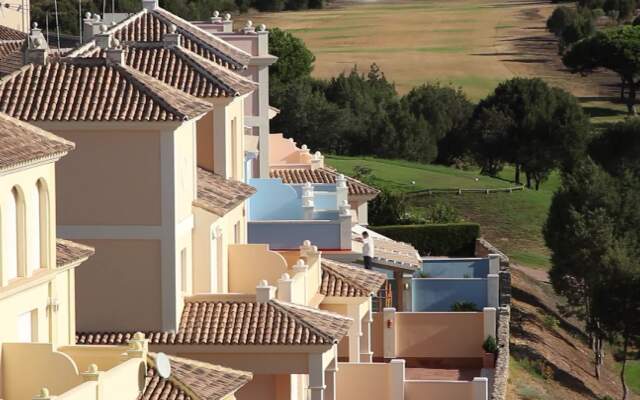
173	28
263	283
285	277
34	25
262	28
227	17
96	17
103	28
216	14
87	15
92	369
44	393
249	23
306	243
115	43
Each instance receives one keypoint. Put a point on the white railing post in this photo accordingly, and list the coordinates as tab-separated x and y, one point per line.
489	322
494	264
493	290
389	332
307	201
480	388
342	191
396	387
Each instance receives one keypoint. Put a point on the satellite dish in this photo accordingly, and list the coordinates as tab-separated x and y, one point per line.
163	365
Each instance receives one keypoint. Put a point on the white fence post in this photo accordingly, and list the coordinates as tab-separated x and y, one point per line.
494	264
480	388
493	290
389	332
285	288
489	322
397	380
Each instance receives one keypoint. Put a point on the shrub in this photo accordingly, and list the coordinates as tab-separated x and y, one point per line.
441	213
464	306
453	240
490	345
388	208
550	322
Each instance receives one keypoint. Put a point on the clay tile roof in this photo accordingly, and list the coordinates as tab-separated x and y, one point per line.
10	56
219	195
192	380
93	90
344	280
393	253
22	143
183	70
68	252
7	33
150	26
321	175
242	323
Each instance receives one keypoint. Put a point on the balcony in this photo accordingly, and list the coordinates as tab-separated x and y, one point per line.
284	215
37	371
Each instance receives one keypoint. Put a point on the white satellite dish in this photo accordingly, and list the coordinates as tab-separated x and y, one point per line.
163	365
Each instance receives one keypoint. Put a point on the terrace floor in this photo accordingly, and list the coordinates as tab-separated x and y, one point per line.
466	374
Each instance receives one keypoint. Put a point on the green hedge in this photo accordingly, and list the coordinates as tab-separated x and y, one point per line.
453	240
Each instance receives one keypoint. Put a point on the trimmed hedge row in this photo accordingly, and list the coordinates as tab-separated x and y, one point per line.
453	240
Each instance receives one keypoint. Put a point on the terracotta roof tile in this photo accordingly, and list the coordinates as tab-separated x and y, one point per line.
10	56
219	195
150	26
192	380
7	33
93	90
68	252
242	323
183	70
321	175
21	143
391	252
344	280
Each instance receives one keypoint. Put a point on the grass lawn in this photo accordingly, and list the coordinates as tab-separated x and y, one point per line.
511	221
633	375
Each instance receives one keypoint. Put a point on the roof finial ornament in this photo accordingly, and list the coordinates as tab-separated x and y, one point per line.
87	15
262	28
227	17
216	14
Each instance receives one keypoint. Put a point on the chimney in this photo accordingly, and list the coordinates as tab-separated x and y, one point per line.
92	25
171	38
115	53
150	4
264	292
37	51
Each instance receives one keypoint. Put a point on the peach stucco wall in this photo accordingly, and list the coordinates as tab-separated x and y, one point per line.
267	387
439	335
420	390
117	173
251	263
364	381
119	287
377	343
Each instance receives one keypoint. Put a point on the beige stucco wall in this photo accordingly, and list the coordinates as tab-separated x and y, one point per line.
119	287
114	171
439	335
228	143
15	19
206	142
343	346
212	236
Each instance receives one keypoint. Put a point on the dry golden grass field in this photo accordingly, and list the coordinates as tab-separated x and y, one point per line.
470	43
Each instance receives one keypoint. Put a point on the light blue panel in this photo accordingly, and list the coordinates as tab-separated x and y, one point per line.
456	267
325	215
429	294
274	200
289	235
325	200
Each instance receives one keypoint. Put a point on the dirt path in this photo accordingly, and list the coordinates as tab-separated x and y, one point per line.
537	274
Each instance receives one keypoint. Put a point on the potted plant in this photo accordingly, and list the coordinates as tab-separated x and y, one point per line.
490	349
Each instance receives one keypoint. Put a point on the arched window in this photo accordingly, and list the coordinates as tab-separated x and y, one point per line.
14	233
44	241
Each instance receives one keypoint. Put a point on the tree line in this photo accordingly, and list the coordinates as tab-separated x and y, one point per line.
524	122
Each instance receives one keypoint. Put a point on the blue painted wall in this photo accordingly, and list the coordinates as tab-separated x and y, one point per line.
274	200
289	235
430	294
456	268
